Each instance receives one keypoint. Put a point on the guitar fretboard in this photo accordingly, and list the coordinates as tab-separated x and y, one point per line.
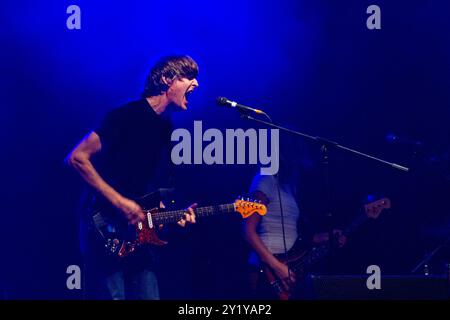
174	216
319	252
355	225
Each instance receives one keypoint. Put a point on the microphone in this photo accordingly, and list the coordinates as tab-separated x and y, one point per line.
222	101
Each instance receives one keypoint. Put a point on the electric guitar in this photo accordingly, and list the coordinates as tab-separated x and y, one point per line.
121	239
300	260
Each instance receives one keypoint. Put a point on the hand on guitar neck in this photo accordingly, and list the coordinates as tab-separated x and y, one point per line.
189	216
323	237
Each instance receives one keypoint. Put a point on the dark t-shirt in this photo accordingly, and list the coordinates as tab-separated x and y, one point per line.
135	140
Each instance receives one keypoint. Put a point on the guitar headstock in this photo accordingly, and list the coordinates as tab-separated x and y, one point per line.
248	207
374	208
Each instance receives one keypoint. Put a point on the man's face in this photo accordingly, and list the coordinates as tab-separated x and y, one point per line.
179	91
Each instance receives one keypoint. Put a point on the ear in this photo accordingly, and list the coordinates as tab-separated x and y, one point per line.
167	81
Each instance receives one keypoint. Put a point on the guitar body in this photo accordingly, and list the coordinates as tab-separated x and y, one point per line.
293	257
120	238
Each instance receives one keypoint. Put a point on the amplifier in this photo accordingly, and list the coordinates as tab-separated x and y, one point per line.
393	287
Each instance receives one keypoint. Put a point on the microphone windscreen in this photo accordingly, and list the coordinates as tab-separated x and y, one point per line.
221	101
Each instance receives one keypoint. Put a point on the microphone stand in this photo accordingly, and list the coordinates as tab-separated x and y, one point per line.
326	145
431	254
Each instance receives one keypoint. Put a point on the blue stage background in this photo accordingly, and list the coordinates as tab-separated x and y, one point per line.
312	65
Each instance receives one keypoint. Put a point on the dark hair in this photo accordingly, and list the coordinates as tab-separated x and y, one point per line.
171	67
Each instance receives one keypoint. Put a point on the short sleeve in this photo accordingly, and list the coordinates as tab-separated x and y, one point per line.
263	183
109	129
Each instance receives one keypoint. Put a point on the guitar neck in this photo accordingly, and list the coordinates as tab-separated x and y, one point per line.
319	252
355	225
175	216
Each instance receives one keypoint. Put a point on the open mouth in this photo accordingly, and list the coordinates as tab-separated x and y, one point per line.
188	93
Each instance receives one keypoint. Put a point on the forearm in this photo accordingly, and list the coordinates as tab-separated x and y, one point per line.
88	172
261	249
252	237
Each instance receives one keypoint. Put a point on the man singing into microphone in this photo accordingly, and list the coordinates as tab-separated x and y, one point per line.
130	147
